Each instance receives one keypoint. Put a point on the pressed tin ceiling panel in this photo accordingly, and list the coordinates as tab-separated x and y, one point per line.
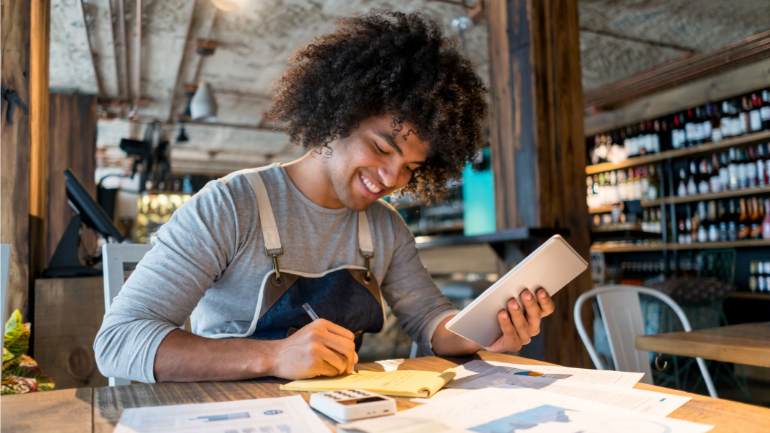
618	39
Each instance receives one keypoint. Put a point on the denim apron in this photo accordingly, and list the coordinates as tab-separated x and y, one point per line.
347	295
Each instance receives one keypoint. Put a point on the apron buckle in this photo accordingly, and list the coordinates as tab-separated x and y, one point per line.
274	255
367	263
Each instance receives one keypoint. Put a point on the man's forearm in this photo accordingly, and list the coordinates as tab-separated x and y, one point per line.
448	343
184	357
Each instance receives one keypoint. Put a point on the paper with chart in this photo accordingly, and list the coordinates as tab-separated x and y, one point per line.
521	410
642	401
554	372
637	400
263	415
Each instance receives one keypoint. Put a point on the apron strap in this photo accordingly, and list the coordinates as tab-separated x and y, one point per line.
365	245
270	234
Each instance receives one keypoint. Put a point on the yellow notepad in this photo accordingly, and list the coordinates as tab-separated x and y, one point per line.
399	383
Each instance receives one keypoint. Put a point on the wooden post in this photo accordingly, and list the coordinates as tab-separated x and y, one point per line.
38	128
14	149
537	139
72	124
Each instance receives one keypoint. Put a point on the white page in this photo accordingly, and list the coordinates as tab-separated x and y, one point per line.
637	400
263	415
498	410
554	372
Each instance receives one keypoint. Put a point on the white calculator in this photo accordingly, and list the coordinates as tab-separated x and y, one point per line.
350	405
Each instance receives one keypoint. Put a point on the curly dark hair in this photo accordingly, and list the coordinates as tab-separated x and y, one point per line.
386	63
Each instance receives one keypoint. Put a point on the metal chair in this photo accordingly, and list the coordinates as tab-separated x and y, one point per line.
114	260
622	316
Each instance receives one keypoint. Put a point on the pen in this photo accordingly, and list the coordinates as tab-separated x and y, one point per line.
313	316
309	310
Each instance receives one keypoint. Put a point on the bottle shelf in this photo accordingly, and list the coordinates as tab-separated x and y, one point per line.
691	198
678	153
750	295
661	246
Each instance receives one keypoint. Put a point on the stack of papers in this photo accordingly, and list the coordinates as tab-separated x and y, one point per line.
509	410
492	397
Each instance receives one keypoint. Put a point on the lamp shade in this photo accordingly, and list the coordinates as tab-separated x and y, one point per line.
203	105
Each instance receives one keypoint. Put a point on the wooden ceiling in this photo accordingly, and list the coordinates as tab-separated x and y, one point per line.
140	69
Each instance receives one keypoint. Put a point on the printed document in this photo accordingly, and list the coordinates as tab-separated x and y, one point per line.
263	415
638	400
553	372
520	410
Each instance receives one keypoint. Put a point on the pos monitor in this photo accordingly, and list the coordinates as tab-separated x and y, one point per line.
65	261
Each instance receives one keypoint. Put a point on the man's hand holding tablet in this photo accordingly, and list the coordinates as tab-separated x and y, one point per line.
508	314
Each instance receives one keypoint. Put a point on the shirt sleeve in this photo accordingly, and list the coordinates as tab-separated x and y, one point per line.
189	253
411	293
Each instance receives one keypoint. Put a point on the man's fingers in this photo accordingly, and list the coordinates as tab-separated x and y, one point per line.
510	338
532	307
341	345
519	322
545	301
339	362
336	329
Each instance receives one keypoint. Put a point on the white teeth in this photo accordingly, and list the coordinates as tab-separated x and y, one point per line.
370	185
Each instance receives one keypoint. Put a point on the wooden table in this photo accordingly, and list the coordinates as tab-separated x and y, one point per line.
84	410
747	344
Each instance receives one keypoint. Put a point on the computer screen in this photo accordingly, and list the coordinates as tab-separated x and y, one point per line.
90	212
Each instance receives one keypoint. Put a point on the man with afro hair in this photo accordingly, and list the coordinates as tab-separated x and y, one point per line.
283	268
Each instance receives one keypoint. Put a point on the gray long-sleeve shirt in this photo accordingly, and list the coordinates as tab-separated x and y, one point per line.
208	261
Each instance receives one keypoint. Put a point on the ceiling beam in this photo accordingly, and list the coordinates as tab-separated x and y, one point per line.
137	75
202	23
89	37
654	43
182	62
678	72
122	46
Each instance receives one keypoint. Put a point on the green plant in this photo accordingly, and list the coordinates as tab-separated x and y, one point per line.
21	373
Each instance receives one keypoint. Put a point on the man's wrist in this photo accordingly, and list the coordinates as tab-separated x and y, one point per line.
263	358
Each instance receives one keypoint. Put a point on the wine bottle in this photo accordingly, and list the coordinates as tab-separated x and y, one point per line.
757	217
744	226
678	135
713	227
681	189
764	112
755	115
701	222
751	167
704	176
732	226
733	168
723	221
714	116
761	173
715	180
766	221
692	186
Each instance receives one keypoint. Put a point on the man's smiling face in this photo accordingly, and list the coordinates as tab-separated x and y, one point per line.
376	159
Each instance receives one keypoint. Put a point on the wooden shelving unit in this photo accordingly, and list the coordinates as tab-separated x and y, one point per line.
620	248
678	153
750	295
691	198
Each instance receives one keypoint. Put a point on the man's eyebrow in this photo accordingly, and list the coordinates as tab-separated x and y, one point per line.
391	141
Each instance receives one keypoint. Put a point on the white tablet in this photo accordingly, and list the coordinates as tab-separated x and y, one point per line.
551	266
